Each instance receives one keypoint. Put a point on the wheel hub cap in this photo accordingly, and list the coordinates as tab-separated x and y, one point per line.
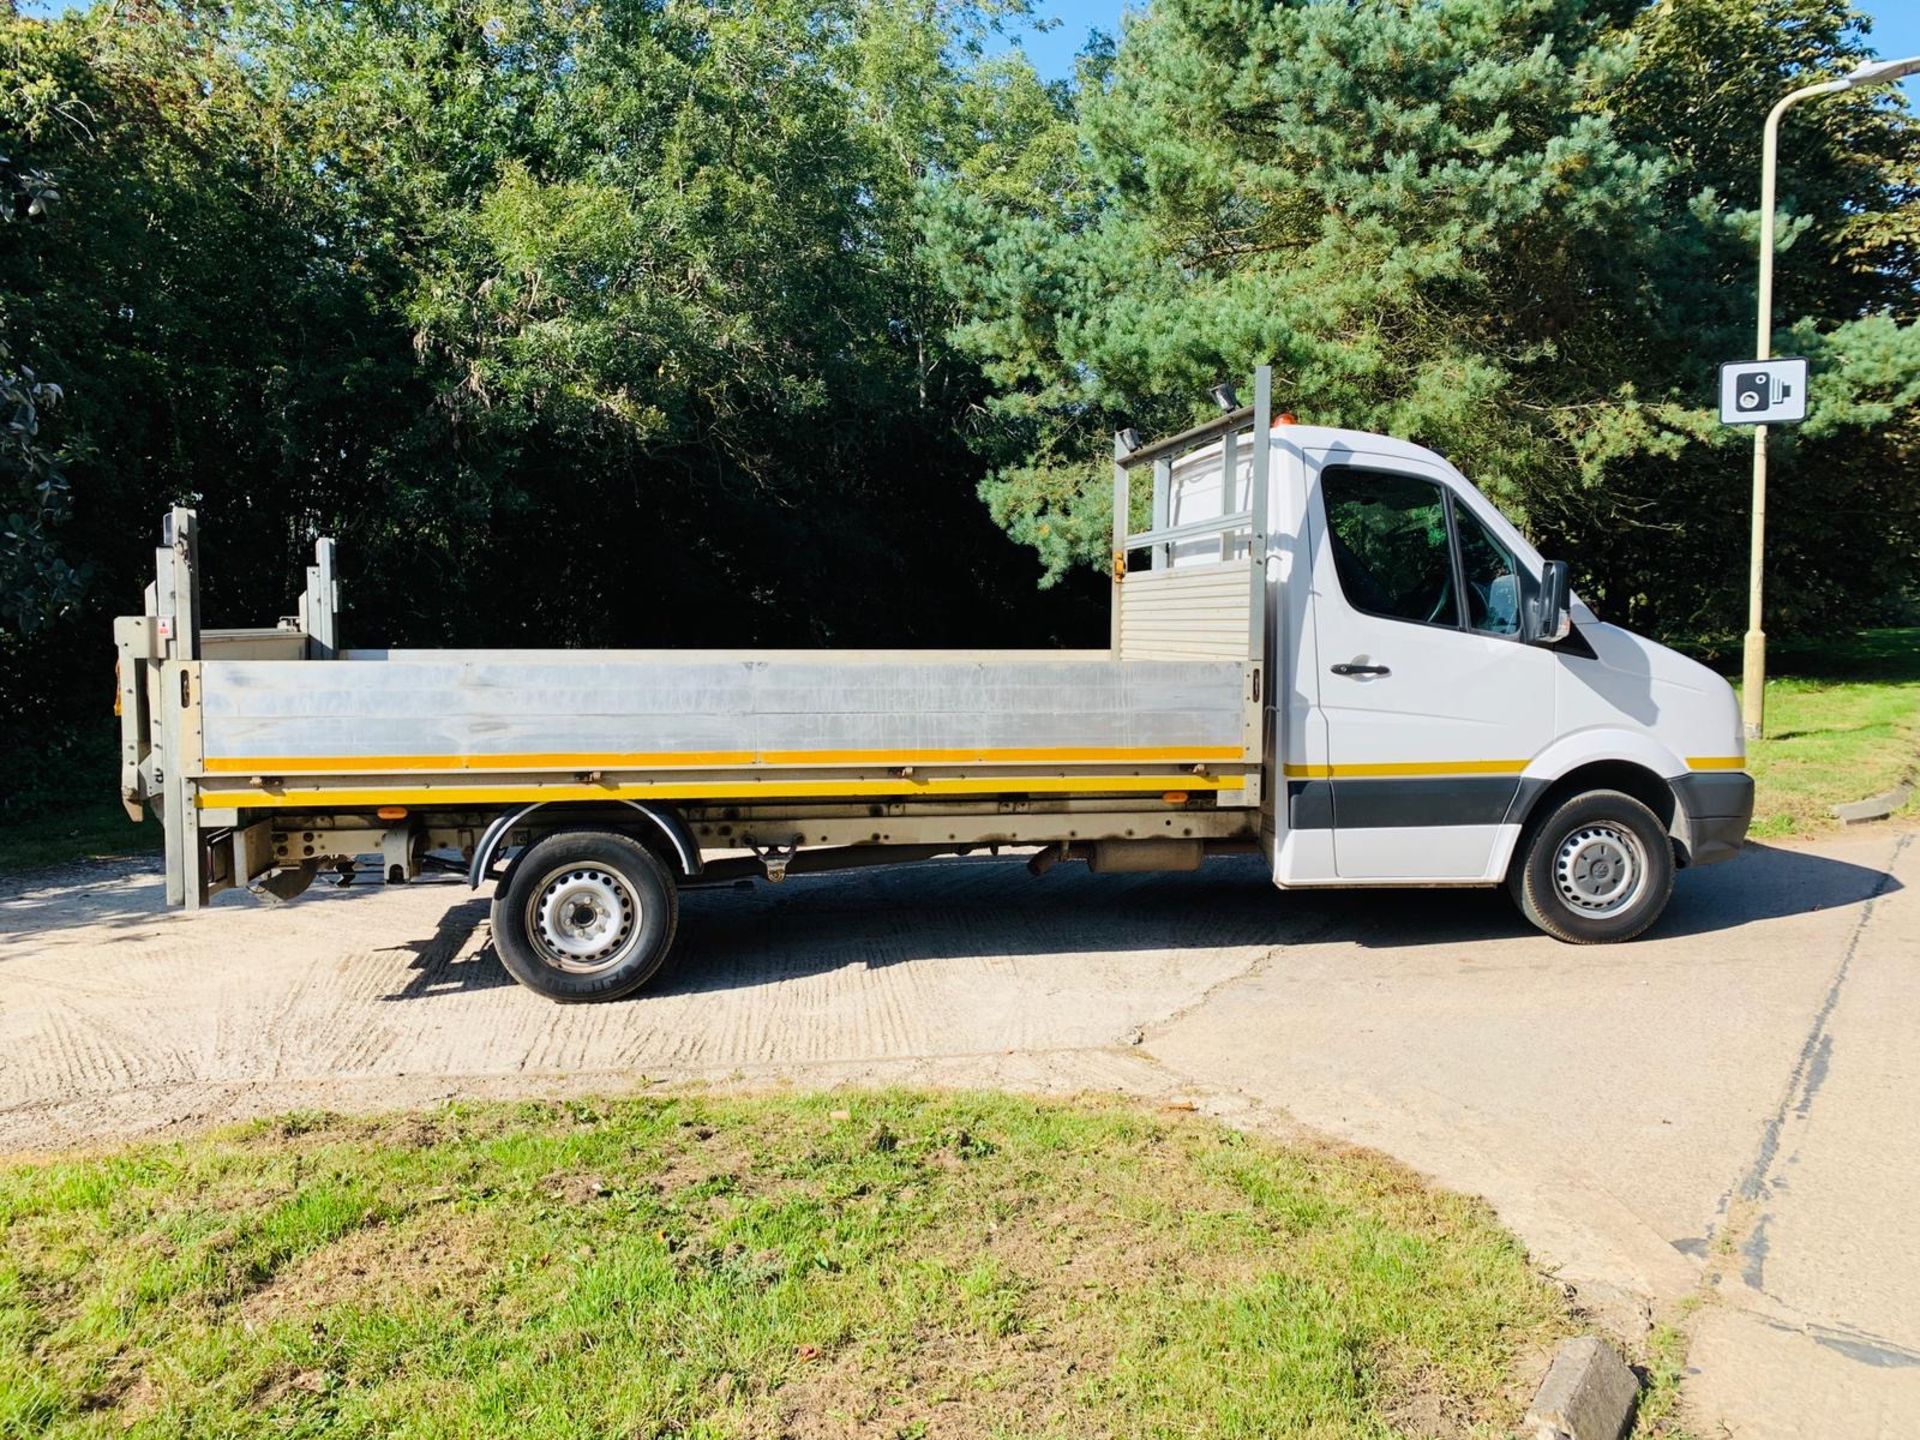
1600	869
583	917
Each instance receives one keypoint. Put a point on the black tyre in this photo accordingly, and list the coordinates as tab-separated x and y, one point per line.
1597	868
585	915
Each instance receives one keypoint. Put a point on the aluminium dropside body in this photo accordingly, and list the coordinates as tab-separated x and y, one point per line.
1325	646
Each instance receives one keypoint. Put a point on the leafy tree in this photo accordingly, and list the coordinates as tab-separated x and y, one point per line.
1412	209
660	266
578	324
1700	79
36	583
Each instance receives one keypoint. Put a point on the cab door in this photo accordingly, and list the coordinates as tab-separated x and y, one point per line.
1432	702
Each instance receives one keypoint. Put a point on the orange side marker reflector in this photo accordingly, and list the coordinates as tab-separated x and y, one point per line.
1175	797
392	812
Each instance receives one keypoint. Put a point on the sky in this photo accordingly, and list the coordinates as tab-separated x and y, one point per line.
1896	30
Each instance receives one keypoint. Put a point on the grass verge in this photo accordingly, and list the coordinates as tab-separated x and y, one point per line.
1843	723
42	825
1658	1413
96	830
890	1265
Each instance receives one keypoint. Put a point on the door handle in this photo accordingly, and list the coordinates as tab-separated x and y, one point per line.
1352	669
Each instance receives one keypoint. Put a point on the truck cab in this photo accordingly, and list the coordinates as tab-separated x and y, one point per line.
1439	697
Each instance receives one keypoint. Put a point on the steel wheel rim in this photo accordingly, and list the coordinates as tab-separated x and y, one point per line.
583	919
1600	869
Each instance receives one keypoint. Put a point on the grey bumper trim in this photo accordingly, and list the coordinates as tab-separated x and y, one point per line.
1719	808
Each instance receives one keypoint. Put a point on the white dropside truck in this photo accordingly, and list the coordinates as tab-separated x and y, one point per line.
1328	649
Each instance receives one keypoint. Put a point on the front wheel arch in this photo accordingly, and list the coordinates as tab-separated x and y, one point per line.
1535	800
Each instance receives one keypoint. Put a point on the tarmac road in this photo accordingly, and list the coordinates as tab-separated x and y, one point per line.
1720	1121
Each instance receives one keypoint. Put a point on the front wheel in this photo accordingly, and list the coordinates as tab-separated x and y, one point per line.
1598	868
585	915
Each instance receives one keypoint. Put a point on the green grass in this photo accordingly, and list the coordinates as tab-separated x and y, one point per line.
40	823
890	1265
1843	722
1665	1366
92	831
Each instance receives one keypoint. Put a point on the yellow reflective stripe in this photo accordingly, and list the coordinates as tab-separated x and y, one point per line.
734	788
1467	767
367	764
713	759
1411	768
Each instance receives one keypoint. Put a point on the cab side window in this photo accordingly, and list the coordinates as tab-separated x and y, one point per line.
1390	544
1489	578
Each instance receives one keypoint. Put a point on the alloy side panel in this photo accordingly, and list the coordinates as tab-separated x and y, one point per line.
348	717
458	732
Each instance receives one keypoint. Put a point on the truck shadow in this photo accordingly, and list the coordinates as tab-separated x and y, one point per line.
448	963
971	909
1767	882
984	908
128	893
760	934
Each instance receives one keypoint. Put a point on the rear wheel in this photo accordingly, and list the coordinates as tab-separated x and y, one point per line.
1597	868
585	915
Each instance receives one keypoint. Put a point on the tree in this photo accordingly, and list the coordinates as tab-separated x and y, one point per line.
577	324
37	584
1469	223
660	267
1844	522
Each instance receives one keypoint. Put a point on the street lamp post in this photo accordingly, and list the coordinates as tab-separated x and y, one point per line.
1753	699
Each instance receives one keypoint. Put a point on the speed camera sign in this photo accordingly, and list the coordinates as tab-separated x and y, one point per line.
1763	392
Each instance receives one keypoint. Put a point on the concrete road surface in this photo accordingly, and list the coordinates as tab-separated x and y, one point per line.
1721	1121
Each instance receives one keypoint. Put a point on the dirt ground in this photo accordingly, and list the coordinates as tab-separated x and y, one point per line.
123	1019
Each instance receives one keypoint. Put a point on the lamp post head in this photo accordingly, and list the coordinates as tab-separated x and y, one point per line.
1881	72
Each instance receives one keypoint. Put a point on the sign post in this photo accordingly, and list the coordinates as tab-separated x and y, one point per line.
1867	72
1760	393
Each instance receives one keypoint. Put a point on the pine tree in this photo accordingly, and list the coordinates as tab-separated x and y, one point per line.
1501	228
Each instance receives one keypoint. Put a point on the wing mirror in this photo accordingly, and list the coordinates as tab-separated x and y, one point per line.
1550	617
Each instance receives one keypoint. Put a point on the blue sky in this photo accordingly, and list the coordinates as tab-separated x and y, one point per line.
1896	29
1896	32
